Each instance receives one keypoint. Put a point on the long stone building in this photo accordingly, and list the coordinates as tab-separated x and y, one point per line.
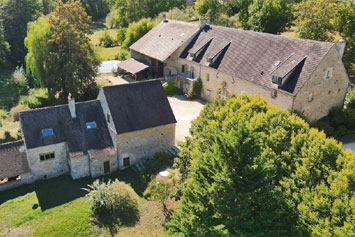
126	124
295	74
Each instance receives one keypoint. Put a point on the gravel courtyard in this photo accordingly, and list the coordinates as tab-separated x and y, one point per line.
185	111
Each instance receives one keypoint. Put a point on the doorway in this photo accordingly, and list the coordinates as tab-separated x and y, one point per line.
107	167
126	162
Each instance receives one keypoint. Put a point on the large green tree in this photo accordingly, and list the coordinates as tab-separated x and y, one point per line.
15	15
251	170
4	46
315	19
209	8
271	16
66	62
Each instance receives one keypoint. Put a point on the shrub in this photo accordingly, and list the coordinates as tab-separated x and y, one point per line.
170	88
157	191
106	40
8	138
122	55
350	98
100	197
15	110
135	31
3	114
196	89
116	199
350	117
19	76
121	35
160	160
37	98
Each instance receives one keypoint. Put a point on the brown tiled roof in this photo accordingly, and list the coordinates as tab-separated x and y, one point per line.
252	55
13	160
132	66
165	39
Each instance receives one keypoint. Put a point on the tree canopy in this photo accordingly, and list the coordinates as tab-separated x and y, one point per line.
271	16
251	169
66	62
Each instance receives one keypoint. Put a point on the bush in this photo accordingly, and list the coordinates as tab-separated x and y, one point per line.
106	40
3	114
350	98
122	55
116	199
121	35
157	191
15	110
160	160
170	88
350	117
135	31
196	89
19	76
37	98
8	138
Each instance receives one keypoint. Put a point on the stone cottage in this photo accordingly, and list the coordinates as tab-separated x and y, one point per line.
126	124
295	74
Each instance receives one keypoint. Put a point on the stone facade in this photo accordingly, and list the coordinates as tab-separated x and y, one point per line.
48	168
97	166
79	167
320	94
145	143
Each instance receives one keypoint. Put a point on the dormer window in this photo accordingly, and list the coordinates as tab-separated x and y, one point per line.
329	74
192	55
91	125
276	80
183	68
47	132
209	60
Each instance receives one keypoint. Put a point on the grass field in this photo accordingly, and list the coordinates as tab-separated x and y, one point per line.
104	53
58	207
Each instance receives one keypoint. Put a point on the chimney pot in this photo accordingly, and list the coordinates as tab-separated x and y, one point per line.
71	103
340	46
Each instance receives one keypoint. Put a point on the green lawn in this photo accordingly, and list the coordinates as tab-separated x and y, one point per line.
104	53
58	207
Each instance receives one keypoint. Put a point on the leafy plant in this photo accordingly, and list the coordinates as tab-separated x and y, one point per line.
170	88
196	89
106	40
122	55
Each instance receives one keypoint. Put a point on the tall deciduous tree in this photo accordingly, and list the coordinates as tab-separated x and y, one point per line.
271	16
71	63
209	8
315	19
243	14
252	170
4	46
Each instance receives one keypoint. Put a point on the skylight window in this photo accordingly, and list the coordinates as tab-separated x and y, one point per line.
91	125
47	132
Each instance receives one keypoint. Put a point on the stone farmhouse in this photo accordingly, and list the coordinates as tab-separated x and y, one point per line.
126	124
295	74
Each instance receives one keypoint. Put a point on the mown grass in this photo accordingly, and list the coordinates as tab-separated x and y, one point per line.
58	207
103	53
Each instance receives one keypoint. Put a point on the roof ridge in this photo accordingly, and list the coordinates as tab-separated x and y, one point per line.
131	83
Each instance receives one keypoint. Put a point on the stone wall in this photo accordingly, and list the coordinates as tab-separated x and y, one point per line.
25	179
79	167
107	113
221	82
319	94
97	165
145	143
48	168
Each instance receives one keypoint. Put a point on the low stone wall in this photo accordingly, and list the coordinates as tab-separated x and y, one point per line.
25	179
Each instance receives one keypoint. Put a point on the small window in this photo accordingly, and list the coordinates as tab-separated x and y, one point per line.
47	132
108	118
209	93
91	125
207	77
192	72
310	97
183	68
46	156
329	74
274	94
225	85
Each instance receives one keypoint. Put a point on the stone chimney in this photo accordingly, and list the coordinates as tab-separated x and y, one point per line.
208	22
203	22
165	20
71	102
341	47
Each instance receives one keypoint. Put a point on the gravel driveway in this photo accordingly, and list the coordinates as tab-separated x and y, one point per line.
185	111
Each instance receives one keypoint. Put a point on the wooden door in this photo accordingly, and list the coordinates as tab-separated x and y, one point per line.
107	167
126	162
